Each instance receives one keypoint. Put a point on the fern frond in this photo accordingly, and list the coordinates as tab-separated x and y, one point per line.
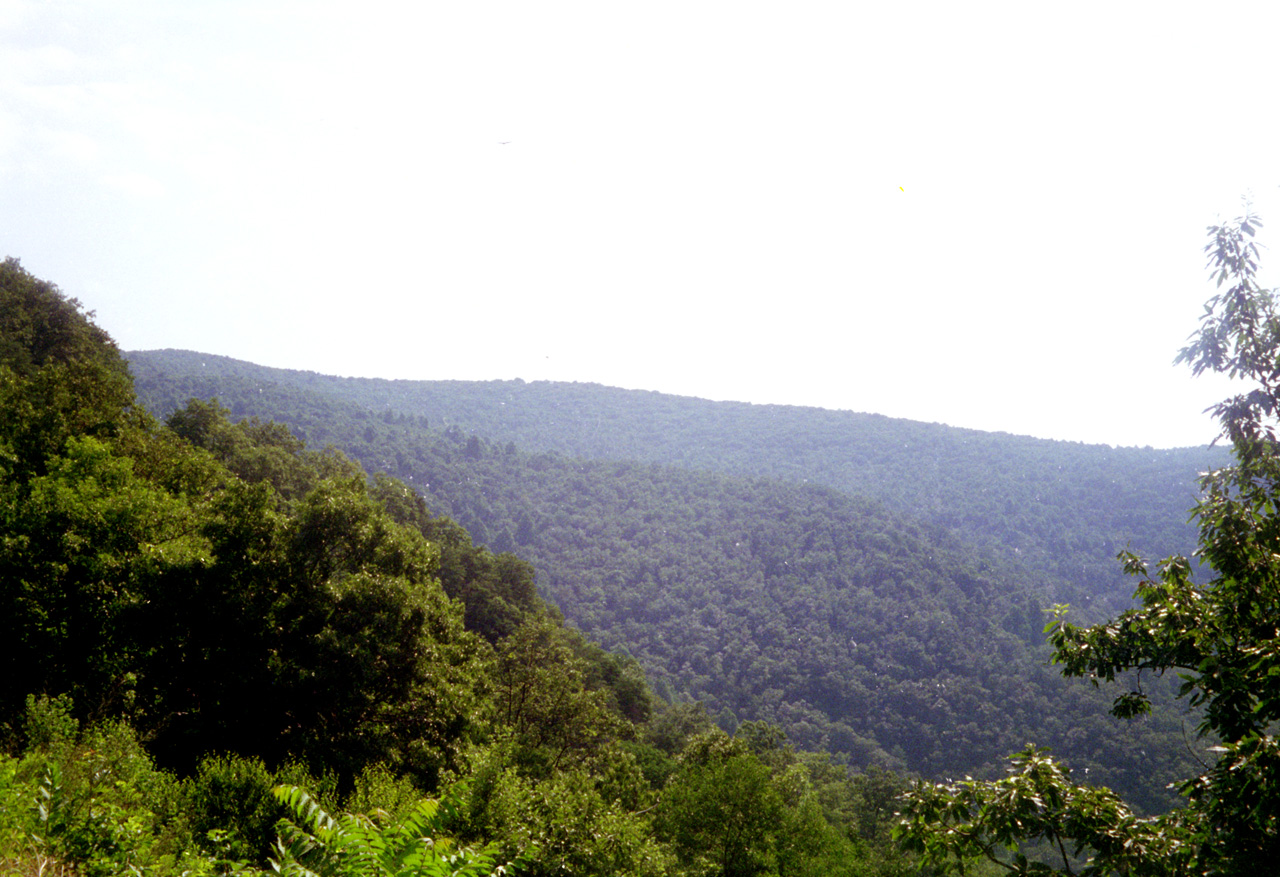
305	808
353	845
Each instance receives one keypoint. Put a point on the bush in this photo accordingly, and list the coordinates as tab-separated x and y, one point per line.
233	813
92	802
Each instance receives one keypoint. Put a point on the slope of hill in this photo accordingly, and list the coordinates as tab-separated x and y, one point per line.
197	612
1064	509
851	626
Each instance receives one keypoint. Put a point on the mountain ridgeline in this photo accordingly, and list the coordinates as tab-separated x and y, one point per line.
875	587
1062	509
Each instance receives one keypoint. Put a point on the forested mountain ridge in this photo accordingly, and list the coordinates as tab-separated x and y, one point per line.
1064	509
197	610
853	627
209	593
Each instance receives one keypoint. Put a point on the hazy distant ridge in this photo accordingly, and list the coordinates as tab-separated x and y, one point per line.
909	638
1064	508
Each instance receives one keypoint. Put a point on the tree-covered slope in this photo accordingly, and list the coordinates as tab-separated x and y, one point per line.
851	625
192	611
1063	508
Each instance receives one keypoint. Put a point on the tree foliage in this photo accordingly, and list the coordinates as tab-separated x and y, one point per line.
1080	829
60	374
858	629
723	811
215	584
1063	508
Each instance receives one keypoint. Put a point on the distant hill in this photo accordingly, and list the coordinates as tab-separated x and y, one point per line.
887	609
1063	509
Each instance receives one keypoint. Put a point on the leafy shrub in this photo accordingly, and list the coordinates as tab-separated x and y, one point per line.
377	789
92	802
233	812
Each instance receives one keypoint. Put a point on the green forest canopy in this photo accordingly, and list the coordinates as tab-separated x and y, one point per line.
1065	508
200	609
383	654
857	628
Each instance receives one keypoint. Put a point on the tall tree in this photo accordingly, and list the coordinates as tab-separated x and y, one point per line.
216	584
722	811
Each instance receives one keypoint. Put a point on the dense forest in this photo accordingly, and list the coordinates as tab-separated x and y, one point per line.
218	636
1064	509
855	627
260	624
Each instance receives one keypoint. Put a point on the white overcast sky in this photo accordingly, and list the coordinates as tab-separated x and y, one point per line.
987	215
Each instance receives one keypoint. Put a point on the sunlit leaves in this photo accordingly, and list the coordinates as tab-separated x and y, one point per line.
1086	830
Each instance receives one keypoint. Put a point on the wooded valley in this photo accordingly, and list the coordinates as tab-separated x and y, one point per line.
262	619
823	603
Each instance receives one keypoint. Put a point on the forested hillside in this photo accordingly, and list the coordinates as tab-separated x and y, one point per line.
1064	509
855	628
206	606
216	633
198	610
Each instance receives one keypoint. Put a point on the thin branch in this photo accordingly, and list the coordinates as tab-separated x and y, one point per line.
1062	849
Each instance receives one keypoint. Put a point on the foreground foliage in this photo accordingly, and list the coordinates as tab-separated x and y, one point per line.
312	842
90	802
1086	830
1221	639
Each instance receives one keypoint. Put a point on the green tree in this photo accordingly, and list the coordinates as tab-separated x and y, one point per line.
541	701
69	501
60	374
72	554
722	811
254	450
571	823
1037	808
1222	640
216	584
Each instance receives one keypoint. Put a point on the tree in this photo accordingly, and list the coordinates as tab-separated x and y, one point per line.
60	374
569	822
216	584
1221	638
541	700
721	812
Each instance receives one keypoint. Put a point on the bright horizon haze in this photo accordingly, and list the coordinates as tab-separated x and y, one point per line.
987	215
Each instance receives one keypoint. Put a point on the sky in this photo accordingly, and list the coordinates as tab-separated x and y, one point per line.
985	215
